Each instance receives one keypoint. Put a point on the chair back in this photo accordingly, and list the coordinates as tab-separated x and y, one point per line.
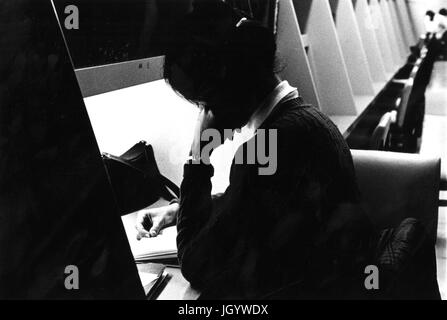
395	186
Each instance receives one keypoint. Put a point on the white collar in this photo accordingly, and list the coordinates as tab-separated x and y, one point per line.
268	105
263	112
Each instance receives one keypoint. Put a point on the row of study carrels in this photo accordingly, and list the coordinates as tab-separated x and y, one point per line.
341	53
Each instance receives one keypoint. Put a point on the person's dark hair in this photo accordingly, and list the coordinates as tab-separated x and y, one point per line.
431	14
215	37
443	12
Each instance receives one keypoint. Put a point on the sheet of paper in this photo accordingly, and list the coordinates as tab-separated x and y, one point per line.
147	278
164	244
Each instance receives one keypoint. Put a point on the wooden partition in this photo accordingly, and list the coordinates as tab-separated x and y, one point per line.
381	31
417	9
397	19
58	217
370	43
391	32
405	7
292	53
353	52
326	58
341	53
404	21
404	49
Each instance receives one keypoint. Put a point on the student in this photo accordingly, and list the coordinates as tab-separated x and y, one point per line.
430	26
441	22
437	42
296	233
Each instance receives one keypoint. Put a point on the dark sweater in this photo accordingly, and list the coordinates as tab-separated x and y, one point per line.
295	234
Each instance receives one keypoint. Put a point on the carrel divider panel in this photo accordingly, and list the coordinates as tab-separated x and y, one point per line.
56	205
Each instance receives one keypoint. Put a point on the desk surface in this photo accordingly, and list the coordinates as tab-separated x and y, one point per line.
177	288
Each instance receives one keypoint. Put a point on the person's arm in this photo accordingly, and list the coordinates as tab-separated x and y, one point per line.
204	226
215	237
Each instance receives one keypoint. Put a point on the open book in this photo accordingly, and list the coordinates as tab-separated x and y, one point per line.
162	247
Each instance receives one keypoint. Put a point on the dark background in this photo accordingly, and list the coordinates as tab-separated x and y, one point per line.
120	30
113	31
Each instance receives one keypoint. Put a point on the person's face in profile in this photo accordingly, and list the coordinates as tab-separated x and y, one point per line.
229	105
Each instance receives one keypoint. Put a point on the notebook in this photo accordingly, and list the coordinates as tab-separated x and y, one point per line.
158	249
162	247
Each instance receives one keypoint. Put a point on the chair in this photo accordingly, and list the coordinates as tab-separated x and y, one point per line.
443	182
410	107
443	188
396	186
403	104
400	138
380	136
407	71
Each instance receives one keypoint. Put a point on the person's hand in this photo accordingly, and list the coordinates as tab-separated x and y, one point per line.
151	221
209	134
205	122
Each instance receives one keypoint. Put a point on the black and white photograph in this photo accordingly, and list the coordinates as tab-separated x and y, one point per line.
223	155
